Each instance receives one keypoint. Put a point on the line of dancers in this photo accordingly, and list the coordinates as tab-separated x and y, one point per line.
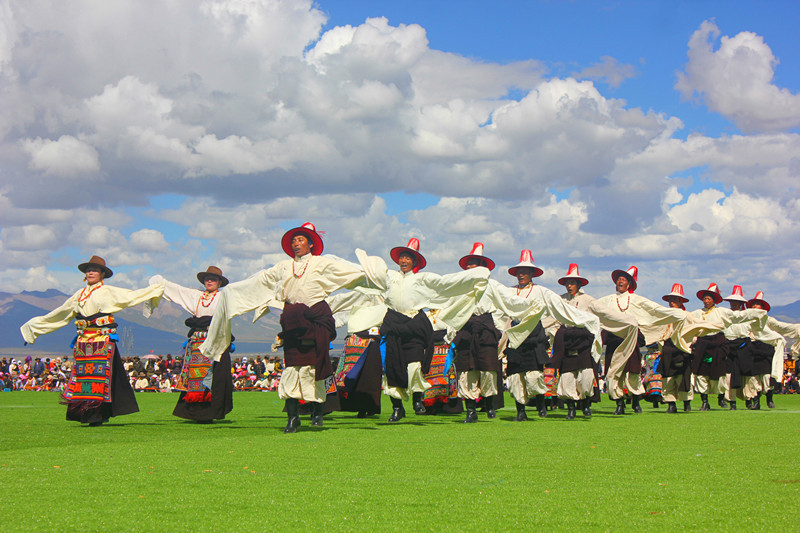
395	318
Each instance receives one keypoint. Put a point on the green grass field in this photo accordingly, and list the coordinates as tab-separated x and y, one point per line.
150	471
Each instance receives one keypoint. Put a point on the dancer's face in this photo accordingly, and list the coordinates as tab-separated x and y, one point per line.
524	276
406	262
94	275
301	245
572	286
623	284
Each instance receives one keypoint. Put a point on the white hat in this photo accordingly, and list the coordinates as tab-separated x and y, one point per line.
677	292
572	273
476	253
737	295
526	260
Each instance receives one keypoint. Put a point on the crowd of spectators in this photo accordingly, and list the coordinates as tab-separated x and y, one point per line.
151	373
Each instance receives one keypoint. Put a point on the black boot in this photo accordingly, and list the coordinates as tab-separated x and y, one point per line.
635	404
748	403
570	409
292	406
472	412
398	411
316	415
419	407
620	410
540	406
587	407
770	403
687	405
671	408
488	401
521	416
757	403
732	405
704	406
721	401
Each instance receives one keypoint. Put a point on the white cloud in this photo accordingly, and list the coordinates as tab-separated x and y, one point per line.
148	240
736	80
67	156
608	70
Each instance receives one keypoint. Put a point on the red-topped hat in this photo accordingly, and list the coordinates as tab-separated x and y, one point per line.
97	262
677	292
713	291
413	249
309	231
759	299
737	295
572	273
526	260
632	274
476	253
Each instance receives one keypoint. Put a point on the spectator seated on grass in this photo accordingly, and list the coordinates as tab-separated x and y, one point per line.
142	382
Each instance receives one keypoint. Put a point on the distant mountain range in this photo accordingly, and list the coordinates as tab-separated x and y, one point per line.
165	331
162	333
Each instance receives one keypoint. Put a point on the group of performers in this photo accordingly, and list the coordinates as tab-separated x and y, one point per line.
397	318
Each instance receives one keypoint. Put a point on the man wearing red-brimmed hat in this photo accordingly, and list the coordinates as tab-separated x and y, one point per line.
675	365
740	350
710	352
98	387
477	365
404	325
572	349
206	386
630	321
526	354
768	351
299	286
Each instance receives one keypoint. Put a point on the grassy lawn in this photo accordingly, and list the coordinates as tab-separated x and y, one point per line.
697	471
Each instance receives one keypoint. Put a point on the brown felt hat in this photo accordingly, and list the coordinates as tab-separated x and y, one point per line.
212	271
98	262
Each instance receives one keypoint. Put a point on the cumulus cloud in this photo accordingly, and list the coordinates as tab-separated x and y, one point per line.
67	156
736	80
267	121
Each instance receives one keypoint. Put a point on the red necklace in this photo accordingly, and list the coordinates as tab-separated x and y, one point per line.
85	295
300	275
627	306
203	299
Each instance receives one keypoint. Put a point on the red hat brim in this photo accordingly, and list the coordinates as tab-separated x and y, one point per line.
717	297
464	260
563	281
313	237
631	282
420	261
683	299
764	304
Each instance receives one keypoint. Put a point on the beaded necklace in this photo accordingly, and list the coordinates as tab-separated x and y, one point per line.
84	296
300	275
708	310
628	304
529	290
203	299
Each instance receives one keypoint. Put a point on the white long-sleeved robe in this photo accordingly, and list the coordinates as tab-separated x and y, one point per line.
104	299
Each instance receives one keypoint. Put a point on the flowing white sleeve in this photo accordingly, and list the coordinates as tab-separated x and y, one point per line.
237	299
55	319
455	295
183	296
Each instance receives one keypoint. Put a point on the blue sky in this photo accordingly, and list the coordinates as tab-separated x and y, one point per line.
662	134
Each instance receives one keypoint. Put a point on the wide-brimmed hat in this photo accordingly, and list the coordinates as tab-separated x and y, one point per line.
572	273
713	291
632	274
98	262
758	299
526	260
737	295
476	253
413	249
677	292
309	231
212	271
